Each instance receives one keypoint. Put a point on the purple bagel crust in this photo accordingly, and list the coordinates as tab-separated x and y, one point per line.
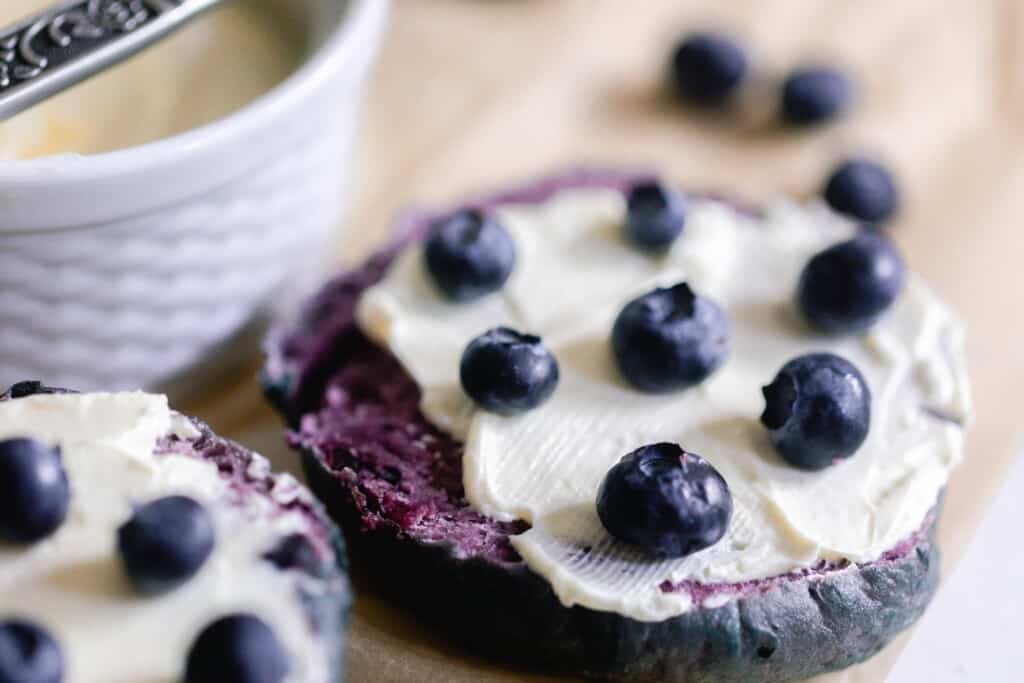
394	483
249	475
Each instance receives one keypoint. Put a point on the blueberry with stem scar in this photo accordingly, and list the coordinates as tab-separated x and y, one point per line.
817	410
507	372
666	501
670	339
655	216
469	255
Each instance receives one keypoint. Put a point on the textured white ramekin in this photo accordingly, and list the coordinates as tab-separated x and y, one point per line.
126	269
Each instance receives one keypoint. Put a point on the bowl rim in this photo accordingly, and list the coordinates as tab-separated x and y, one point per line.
343	45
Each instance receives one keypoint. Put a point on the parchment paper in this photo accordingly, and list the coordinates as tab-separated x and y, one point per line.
473	93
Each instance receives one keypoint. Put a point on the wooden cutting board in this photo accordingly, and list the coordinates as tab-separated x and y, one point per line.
474	93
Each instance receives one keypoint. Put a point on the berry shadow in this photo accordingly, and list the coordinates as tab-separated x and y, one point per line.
752	433
95	578
751	116
786	315
564	524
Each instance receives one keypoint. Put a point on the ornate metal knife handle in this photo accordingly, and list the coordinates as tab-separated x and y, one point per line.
61	46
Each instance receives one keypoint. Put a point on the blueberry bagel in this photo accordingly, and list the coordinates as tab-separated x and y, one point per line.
718	463
139	546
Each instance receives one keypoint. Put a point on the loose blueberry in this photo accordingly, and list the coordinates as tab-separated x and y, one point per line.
28	654
506	372
239	648
707	68
817	410
655	215
670	339
469	255
666	501
863	190
294	552
34	490
165	543
847	287
815	95
31	388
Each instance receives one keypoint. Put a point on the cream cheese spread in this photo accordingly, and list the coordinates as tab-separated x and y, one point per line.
208	70
573	274
72	584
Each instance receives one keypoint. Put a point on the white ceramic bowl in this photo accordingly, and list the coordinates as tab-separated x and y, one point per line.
127	269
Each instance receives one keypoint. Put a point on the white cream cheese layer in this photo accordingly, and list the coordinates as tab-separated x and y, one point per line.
574	273
72	584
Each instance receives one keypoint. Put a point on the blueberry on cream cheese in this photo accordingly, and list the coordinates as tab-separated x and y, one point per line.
666	501
31	388
707	68
28	654
165	543
34	490
814	95
469	255
238	648
817	410
655	215
670	339
294	551
847	287
862	189
507	372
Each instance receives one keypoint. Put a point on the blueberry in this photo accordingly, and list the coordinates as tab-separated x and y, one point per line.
707	68
165	543
863	190
666	501
847	287
34	490
655	215
815	95
238	648
817	410
469	255
31	388
28	654
294	551
670	339
506	372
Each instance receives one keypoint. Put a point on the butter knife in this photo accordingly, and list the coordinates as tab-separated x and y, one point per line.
53	50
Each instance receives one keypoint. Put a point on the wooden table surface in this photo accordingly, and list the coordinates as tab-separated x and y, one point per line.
473	93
